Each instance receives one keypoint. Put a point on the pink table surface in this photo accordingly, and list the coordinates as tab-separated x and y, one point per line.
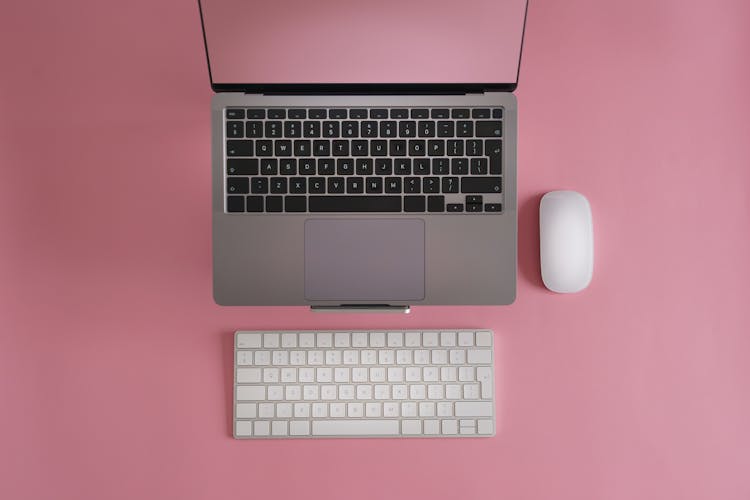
115	364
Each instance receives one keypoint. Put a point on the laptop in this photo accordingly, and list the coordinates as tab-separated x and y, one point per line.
364	154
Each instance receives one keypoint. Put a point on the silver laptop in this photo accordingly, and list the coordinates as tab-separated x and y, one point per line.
360	157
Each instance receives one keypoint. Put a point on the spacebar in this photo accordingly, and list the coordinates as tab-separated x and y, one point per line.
354	203
355	428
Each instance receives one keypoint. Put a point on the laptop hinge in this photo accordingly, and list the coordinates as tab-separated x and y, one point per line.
362	308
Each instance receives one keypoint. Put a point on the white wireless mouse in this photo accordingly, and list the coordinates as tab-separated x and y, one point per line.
566	240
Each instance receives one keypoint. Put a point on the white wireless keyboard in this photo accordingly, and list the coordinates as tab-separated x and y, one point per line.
436	383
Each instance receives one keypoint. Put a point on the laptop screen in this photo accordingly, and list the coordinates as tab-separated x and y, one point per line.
350	41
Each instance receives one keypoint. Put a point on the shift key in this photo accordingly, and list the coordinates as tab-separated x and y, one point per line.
482	185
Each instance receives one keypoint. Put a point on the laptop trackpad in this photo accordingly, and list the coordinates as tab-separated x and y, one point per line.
376	260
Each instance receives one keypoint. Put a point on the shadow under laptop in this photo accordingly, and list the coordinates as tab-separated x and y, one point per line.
528	240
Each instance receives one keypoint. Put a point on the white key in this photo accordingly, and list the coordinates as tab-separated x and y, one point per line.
359	339
484	338
390	410
399	392
288	374
411	339
248	340
471	391
484	376
338	410
364	392
307	340
484	426
421	357
299	428
325	340
473	409
457	356
301	410
341	374
465	429
310	392
382	391
395	374
373	409
244	358
270	375
445	409
448	373
248	375
452	391
430	339
434	391
306	375
439	357
323	374
265	410
466	373
377	374
288	340
377	339
403	357
333	357
354	409
479	356
271	340
447	339
280	358
341	339
251	393
413	374
386	357
293	392
359	374
466	339
430	374
315	357
328	392
417	392
355	428
431	427
275	392
284	410
395	339
351	357
450	426
261	428
279	428
246	410
243	428
346	392
319	410
297	358
262	358
368	357
426	409
411	427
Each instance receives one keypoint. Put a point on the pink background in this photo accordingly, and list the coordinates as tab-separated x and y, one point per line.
115	365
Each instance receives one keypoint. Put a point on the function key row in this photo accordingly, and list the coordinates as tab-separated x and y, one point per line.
257	340
360	113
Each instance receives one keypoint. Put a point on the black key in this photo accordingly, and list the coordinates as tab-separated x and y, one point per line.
355	203
302	148
493	207
431	185
490	129
263	148
255	203
292	129
399	113
317	185
295	204
283	148
450	184
460	166
307	166
474	147
473	207
276	114
436	148
378	114
393	184
383	166
357	114
340	148
369	129
473	198
440	166
274	203
288	166
349	129
254	129
273	129
374	185
311	129
345	166
397	147
297	114
278	185
322	148
259	185
235	129
420	113
236	114
359	148
494	150
336	184
298	185
269	167
326	166
388	129
242	166
412	185
407	129
239	148
480	113
364	166
417	148
378	148
337	113
479	166
455	147
459	113
436	203
355	185
402	166
317	114
439	113
235	203
497	113
256	114
413	203
455	207
464	129
330	129
426	129
481	185
421	166
445	129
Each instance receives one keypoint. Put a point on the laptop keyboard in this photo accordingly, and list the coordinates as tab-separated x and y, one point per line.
335	160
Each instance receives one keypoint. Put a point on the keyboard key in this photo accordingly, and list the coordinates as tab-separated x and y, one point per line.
480	113
455	207
336	185
274	203
292	129
459	113
436	148
481	185
450	185
239	148
414	203
311	129
337	114
494	151
439	113
259	185
474	147
369	129
436	203
497	113
273	129
235	114
412	185
295	204
298	185
355	185
317	185
242	166
355	203
317	114
350	129
364	166
489	129
378	148
235	129
276	114
459	166
399	113
417	148
355	427
374	185
238	185
360	148
402	166
473	409
307	167
493	207
235	204
388	129
331	129
426	129
393	185
417	113
278	185
445	129
269	166
326	166
421	166
254	129
383	166
430	185
464	129
283	148
455	147
397	147
479	166
322	148
378	113
255	203
340	148
407	129
440	166
302	148
256	114
297	114
357	114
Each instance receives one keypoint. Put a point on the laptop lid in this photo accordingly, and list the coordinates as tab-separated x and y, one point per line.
395	46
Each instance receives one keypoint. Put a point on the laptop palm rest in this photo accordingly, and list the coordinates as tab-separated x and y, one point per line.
373	260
